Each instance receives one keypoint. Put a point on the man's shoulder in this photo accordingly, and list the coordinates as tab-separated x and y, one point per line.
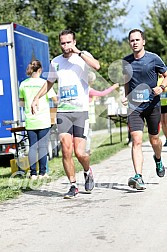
151	54
57	58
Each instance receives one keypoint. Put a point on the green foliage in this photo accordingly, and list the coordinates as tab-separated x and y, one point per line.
92	21
156	29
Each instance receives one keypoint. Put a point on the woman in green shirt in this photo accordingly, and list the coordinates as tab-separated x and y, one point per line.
37	125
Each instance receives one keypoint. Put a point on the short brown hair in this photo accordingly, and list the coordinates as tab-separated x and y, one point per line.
136	30
66	32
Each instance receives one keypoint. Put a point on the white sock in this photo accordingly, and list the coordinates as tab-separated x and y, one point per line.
87	172
74	184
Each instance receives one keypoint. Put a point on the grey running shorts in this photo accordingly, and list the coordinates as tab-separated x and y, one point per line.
74	123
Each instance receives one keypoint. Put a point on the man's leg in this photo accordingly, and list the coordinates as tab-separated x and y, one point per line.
137	158
84	159
153	123
137	155
67	149
68	163
80	152
164	125
136	125
156	145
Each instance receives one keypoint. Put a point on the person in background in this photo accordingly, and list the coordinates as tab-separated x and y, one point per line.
93	93
143	95
71	70
38	125
163	109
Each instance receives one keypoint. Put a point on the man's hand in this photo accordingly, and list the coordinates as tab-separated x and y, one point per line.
34	106
157	90
124	101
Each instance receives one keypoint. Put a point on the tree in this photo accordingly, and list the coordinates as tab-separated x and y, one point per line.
156	29
92	20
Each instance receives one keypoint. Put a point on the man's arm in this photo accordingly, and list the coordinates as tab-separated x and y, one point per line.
46	87
159	89
125	98
91	61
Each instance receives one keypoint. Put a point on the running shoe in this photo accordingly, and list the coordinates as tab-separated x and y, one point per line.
34	177
160	169
136	182
44	176
71	193
89	181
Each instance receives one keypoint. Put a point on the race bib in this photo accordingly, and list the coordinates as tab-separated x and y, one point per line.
68	92
140	95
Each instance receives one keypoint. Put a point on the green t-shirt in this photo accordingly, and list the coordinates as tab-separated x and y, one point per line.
27	91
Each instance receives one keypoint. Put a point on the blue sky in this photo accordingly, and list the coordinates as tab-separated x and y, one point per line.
138	9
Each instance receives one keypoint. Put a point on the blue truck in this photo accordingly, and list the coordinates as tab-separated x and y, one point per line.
18	46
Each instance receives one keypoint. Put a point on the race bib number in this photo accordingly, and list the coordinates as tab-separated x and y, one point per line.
140	95
68	92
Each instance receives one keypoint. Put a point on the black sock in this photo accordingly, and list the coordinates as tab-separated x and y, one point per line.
157	159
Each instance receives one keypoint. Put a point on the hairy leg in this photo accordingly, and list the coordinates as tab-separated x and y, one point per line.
137	155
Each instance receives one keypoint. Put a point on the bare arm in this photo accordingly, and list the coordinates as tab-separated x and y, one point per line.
21	102
125	99
94	92
46	87
158	90
92	62
55	100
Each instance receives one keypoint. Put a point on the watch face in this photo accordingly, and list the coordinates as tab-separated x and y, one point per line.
80	53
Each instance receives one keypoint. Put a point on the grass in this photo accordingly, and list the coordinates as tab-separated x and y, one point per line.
101	149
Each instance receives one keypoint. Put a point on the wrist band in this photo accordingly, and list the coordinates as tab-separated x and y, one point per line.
79	54
163	87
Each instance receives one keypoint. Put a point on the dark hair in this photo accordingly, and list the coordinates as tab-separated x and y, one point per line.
33	66
66	32
136	30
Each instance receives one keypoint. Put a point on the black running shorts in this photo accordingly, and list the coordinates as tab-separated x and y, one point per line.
152	116
163	109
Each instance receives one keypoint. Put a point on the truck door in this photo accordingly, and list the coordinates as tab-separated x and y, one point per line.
8	82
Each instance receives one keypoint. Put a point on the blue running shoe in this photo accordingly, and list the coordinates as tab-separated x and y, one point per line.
136	182
160	169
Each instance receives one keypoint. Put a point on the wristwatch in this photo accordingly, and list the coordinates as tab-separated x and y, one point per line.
81	52
163	87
